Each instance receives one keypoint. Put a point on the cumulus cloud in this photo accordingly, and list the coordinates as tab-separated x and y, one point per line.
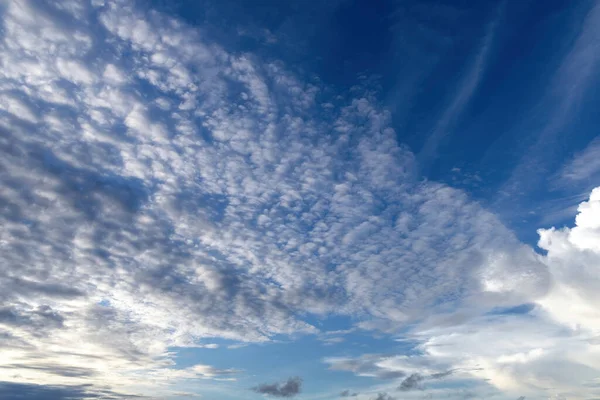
548	349
289	388
348	393
573	257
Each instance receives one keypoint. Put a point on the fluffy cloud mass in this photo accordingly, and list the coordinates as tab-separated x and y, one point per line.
551	351
157	191
574	260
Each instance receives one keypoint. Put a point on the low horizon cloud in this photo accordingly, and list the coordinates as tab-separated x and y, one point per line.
290	388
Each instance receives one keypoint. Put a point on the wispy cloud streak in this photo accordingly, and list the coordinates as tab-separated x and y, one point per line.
467	87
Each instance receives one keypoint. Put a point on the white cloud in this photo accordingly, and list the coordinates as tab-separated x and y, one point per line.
114	75
74	71
209	346
574	260
584	166
550	352
18	109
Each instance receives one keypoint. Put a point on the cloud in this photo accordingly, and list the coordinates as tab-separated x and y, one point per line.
467	88
328	341
186	395
410	371
573	256
371	365
412	382
584	166
165	191
526	362
18	391
289	388
208	346
54	369
548	350
383	396
348	393
42	318
440	375
209	371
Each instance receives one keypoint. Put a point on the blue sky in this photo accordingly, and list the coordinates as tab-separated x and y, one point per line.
301	199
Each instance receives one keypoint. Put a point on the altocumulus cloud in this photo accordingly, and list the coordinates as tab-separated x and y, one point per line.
158	189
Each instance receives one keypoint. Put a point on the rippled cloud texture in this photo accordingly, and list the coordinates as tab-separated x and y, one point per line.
158	191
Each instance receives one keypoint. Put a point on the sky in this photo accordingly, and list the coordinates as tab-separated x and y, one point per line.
233	199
